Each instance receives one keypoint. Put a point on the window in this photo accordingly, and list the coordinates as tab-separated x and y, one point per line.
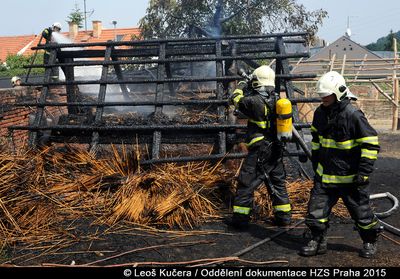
119	38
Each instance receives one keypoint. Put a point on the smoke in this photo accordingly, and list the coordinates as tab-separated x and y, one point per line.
85	73
136	92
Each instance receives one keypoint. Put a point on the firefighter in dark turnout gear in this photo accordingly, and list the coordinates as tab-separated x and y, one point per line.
47	35
264	160
344	149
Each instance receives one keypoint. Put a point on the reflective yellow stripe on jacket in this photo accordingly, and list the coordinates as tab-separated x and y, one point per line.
370	154
370	140
330	143
337	179
313	129
254	140
315	145
261	124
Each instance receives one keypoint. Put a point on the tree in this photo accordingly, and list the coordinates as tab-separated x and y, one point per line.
173	18
76	16
388	46
14	65
385	43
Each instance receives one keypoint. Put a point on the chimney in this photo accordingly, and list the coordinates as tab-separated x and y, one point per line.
96	28
73	30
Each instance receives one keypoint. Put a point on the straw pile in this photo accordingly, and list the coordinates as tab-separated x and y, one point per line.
169	195
299	193
43	195
41	191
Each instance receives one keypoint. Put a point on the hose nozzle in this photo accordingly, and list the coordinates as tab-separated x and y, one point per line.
243	74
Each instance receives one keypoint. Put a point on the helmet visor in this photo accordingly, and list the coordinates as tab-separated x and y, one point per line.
324	94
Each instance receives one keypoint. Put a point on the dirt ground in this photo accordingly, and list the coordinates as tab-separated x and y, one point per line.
215	239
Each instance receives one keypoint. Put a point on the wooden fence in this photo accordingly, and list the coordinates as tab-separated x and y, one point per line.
375	72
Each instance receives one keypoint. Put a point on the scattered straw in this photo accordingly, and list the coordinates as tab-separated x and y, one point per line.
45	195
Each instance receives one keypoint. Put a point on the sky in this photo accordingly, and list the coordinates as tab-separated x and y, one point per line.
369	19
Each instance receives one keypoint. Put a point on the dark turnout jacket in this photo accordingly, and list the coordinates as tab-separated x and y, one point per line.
46	34
259	111
343	145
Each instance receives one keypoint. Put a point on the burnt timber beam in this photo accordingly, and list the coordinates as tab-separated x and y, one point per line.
176	60
33	137
120	76
101	99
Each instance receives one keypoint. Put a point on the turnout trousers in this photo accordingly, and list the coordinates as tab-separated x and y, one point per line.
256	169
323	197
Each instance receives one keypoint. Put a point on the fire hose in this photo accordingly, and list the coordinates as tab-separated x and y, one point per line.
387	213
33	59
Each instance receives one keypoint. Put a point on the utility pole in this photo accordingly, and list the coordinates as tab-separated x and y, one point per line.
395	88
348	30
84	12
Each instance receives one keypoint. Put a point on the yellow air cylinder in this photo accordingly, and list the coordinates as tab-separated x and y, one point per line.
284	119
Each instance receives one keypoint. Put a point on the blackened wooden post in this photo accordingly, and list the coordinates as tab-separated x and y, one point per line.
155	150
100	99
220	95
33	136
120	76
70	88
282	67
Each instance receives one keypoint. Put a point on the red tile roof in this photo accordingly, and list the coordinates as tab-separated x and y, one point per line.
15	44
12	45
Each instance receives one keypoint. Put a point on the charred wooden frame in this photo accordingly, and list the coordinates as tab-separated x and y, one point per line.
224	52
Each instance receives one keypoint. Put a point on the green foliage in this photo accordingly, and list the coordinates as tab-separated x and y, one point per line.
385	43
172	18
76	16
14	65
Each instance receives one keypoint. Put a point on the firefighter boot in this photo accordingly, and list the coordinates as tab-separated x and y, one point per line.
239	221
369	250
370	239
317	245
282	219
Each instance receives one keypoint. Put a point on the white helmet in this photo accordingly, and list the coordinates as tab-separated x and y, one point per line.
56	25
14	80
334	83
263	76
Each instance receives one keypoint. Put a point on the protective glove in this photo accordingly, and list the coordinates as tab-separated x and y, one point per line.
361	180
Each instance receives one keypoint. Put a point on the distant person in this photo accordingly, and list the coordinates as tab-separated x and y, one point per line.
264	158
16	81
344	150
47	34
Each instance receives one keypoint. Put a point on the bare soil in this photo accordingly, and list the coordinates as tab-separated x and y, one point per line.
215	239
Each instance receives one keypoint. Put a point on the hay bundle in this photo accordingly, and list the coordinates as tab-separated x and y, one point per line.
170	195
